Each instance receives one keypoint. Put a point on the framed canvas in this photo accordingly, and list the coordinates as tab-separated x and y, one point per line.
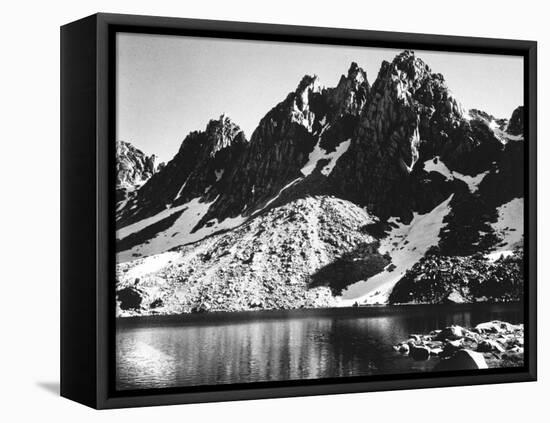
255	211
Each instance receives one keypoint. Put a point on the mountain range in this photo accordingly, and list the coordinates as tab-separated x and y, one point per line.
350	195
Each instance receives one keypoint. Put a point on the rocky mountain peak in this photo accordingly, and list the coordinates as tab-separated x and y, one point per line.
222	133
410	113
134	167
351	93
308	83
404	89
299	101
411	65
356	74
410	81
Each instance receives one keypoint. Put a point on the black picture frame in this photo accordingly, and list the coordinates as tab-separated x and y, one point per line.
87	194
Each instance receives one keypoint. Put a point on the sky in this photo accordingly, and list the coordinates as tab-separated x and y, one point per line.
169	85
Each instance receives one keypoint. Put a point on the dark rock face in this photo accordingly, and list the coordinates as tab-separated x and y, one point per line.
386	142
468	225
411	117
515	125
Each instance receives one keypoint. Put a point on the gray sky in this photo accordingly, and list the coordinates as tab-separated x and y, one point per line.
168	86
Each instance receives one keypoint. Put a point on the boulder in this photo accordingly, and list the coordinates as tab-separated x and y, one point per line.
462	360
435	344
420	353
451	347
469	343
436	351
415	338
495	326
451	333
518	341
156	303
403	348
129	298
489	346
516	350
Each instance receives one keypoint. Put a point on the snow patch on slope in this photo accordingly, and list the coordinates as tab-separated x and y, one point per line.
504	136
138	226
319	153
436	165
180	233
495	255
406	244
151	264
181	189
501	133
509	225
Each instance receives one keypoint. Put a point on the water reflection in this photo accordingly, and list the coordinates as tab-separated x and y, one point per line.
308	344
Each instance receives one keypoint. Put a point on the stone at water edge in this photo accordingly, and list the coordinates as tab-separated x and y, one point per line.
489	345
403	348
463	360
516	350
419	353
415	338
496	326
451	333
451	347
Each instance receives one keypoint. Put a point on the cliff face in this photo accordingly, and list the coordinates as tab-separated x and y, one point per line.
400	162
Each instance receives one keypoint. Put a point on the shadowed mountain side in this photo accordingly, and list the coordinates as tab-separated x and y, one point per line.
353	266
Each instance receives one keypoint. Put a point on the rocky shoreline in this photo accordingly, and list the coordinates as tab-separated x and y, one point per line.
488	345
